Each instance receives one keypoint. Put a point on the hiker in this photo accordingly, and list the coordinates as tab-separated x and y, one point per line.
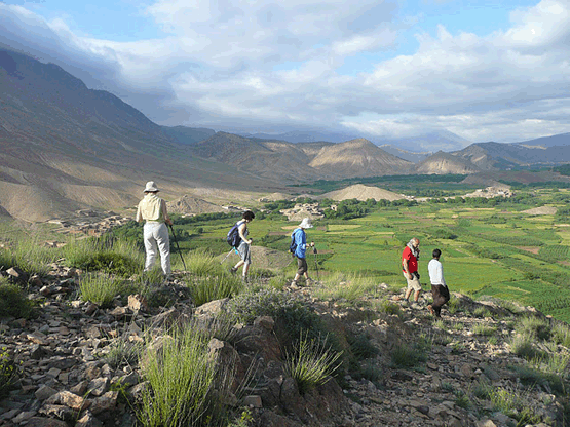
152	209
244	247
299	238
410	266
439	289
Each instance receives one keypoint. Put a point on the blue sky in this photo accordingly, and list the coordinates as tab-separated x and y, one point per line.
485	70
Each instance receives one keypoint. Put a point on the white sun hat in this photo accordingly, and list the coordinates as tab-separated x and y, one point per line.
306	223
150	187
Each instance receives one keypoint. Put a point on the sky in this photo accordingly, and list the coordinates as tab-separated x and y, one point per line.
391	69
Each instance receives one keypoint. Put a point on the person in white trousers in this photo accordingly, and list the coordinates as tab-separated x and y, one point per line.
152	210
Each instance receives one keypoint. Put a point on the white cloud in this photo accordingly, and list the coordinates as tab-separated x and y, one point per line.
278	63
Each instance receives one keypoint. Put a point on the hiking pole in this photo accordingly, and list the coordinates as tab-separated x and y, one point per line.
229	253
316	264
178	246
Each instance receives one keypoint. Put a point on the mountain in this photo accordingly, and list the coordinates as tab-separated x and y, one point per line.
66	147
357	158
300	162
187	135
492	155
297	136
441	163
443	140
404	154
560	140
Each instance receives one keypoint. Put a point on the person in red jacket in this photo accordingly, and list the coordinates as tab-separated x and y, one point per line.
410	267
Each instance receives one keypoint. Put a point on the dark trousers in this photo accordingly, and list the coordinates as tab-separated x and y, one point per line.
440	295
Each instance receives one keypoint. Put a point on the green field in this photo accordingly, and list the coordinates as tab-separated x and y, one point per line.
498	250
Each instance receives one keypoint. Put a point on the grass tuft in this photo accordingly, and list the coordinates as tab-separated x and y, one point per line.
14	300
206	289
99	289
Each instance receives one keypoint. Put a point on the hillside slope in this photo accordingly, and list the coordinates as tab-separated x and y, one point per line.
441	163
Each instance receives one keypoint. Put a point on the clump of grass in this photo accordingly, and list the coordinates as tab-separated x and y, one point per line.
14	300
29	255
122	352
534	328
8	372
201	262
311	363
483	330
561	334
206	289
389	307
523	347
453	305
531	375
371	371
104	254
482	312
462	399
512	404
361	347
458	326
346	286
409	355
278	281
181	378
99	289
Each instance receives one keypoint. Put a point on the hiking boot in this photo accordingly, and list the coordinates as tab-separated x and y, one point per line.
294	285
233	270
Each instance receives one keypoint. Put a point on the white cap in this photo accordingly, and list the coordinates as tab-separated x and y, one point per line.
306	223
150	187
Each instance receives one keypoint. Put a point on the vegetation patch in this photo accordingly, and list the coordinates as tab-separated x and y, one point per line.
14	300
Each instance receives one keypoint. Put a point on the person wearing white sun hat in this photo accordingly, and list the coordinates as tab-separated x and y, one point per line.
299	244
152	210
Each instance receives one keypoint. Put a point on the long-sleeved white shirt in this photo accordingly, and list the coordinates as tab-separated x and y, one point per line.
435	270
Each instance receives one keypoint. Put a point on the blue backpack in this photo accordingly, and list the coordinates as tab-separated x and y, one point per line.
293	246
233	238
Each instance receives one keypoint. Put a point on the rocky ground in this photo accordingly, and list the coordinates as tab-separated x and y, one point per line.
66	379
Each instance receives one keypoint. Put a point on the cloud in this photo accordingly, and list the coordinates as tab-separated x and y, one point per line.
292	64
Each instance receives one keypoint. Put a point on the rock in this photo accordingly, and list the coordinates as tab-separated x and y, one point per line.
23	417
137	303
80	388
98	386
105	403
45	422
486	423
37	352
88	420
253	400
16	274
37	338
61	412
212	308
69	399
44	392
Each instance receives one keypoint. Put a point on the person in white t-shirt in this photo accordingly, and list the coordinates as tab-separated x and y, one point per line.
439	289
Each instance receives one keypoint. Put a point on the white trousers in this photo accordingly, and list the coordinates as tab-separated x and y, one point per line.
156	234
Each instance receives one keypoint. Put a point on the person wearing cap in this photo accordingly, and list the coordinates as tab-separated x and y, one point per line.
152	210
300	238
410	259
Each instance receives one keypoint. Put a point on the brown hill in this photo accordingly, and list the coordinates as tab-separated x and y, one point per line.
66	147
441	163
190	204
362	192
356	158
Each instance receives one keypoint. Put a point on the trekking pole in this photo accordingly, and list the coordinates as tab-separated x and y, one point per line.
316	264
229	253
178	246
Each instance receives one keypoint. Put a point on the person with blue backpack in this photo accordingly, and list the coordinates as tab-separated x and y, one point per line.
298	248
239	241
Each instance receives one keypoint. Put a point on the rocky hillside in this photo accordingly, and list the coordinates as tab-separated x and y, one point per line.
441	162
66	147
474	367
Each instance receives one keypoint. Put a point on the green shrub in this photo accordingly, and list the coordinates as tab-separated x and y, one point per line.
483	330
206	289
390	307
522	346
311	363
8	372
181	381
561	334
513	404
29	255
100	290
409	355
14	300
534	328
361	347
104	254
531	376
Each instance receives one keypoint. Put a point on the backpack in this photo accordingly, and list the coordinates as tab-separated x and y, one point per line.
233	238
293	246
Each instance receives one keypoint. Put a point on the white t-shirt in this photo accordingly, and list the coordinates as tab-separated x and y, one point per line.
435	270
